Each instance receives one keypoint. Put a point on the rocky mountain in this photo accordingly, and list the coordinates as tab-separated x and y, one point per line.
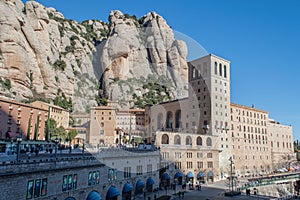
46	56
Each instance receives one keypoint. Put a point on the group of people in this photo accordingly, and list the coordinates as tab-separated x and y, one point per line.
181	194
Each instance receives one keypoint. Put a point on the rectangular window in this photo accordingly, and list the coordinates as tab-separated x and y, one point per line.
149	168
65	183
209	164
200	165
199	155
30	186
37	188
177	165
44	187
90	178
189	165
127	172
139	170
209	155
70	182
112	174
75	181
177	155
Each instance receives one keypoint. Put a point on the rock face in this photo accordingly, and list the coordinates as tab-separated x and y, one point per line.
139	52
44	55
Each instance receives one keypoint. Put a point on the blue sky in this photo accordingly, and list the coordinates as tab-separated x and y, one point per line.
261	38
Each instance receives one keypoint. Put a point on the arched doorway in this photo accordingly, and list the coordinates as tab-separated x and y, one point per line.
208	142
139	187
94	195
165	139
159	121
178	178
165	180
190	178
112	193
210	176
149	184
169	120
127	191
177	140
200	177
178	119
188	140
199	141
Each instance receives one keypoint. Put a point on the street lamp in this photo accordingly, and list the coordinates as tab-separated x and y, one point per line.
60	146
56	142
19	140
231	177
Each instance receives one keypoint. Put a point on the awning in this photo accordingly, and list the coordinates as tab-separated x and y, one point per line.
200	175
94	195
140	184
166	176
112	192
150	181
177	175
190	175
210	173
70	198
127	187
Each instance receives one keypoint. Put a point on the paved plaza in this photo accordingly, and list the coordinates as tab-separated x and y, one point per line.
215	191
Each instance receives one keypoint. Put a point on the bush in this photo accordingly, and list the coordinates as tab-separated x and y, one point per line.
59	65
101	101
69	49
5	84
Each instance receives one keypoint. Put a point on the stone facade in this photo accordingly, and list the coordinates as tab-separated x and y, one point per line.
131	121
60	115
241	133
78	177
110	126
102	126
19	119
250	140
209	94
189	153
281	144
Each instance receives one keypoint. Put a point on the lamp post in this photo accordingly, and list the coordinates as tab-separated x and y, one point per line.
56	142
83	147
60	147
19	140
231	177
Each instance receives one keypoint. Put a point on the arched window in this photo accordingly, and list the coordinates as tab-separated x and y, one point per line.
208	142
169	120
177	139
178	119
199	140
165	139
225	71
220	69
216	68
188	140
159	121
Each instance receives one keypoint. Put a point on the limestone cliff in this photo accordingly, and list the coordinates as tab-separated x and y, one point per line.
43	55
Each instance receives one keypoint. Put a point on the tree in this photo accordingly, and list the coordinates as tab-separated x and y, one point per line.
71	134
55	131
50	126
